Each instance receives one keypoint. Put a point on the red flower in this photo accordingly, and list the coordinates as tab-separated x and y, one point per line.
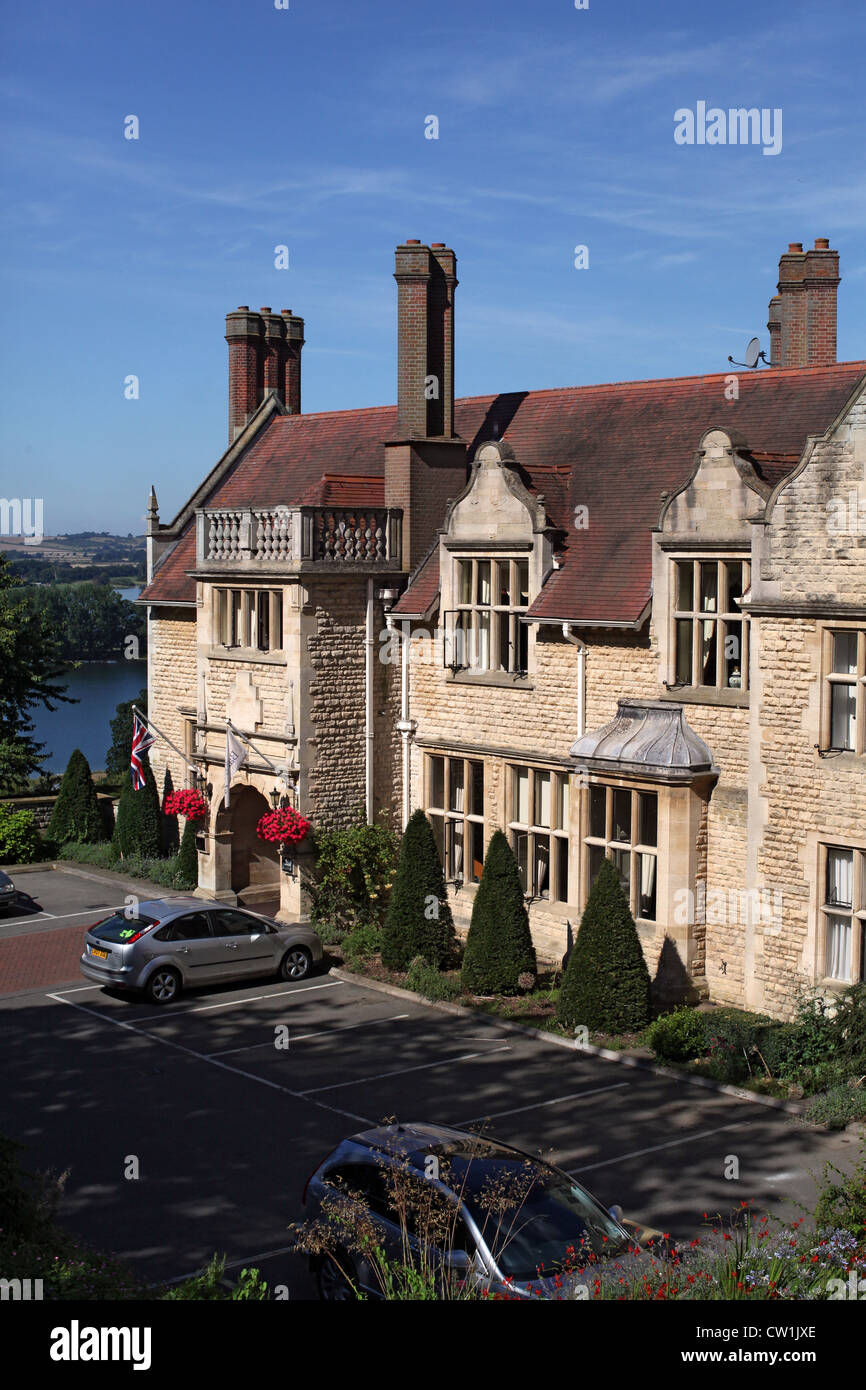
189	804
283	825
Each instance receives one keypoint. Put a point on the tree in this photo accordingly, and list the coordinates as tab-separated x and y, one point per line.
168	824
418	921
187	858
499	946
606	986
29	667
136	830
76	816
118	755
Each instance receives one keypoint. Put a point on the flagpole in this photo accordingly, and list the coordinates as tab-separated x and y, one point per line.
264	757
150	725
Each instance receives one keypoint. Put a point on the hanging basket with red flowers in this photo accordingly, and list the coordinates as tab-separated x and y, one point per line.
285	825
189	804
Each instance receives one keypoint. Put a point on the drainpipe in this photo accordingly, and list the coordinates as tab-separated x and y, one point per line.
581	676
369	644
405	725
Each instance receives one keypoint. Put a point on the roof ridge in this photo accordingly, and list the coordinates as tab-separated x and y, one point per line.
775	373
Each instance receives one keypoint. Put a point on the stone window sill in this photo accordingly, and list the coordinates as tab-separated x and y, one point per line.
502	680
706	695
841	758
246	654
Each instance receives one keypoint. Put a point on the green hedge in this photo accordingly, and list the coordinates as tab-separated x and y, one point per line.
679	1036
20	842
168	873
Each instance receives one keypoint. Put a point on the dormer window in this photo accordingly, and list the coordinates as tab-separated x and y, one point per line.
485	632
710	632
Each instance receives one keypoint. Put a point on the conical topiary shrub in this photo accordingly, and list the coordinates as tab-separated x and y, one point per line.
136	830
499	946
169	837
606	986
76	815
418	921
187	858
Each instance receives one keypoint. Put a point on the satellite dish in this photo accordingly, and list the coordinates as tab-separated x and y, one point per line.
753	352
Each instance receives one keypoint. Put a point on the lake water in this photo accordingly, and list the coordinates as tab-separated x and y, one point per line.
99	686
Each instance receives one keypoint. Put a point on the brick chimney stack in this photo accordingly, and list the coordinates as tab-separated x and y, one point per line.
425	465
426	280
821	281
264	355
802	318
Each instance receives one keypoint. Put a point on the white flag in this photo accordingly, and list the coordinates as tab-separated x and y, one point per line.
236	756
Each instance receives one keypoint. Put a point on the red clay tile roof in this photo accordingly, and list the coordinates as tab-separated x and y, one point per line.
421	594
612	448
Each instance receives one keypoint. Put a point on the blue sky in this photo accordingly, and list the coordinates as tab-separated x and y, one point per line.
305	127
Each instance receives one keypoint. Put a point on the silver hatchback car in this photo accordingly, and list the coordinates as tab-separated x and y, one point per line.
166	945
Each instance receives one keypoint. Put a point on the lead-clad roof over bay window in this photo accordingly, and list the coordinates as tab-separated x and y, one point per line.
647	738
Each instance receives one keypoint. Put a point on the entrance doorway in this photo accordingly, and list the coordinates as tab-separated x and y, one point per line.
255	862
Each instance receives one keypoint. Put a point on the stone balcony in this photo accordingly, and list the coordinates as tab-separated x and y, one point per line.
271	540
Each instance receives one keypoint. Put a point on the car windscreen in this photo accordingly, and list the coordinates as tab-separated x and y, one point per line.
5	881
534	1219
120	928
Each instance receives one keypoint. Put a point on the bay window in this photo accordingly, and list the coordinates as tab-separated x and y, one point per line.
623	827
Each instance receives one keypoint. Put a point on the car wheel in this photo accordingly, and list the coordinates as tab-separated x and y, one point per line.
335	1281
163	986
296	963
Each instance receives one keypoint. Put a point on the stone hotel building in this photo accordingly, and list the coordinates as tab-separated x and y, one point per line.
622	621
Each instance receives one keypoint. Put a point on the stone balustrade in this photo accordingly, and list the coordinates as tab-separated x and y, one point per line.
269	539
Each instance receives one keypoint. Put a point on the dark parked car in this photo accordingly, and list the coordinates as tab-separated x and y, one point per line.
520	1227
8	893
166	945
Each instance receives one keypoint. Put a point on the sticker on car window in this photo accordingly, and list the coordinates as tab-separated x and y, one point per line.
127	931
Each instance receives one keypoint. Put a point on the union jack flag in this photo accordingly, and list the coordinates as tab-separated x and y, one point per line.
141	741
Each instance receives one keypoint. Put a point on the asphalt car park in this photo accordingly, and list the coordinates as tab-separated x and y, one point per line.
230	1099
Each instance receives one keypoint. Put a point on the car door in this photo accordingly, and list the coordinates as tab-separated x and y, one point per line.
244	944
368	1185
189	944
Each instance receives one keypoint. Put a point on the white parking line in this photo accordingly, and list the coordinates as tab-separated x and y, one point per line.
540	1104
56	916
250	999
671	1144
202	1057
404	1071
302	1037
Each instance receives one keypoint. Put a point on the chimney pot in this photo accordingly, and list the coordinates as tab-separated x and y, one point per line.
412	241
265	309
822	243
794	247
286	311
437	245
243	308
